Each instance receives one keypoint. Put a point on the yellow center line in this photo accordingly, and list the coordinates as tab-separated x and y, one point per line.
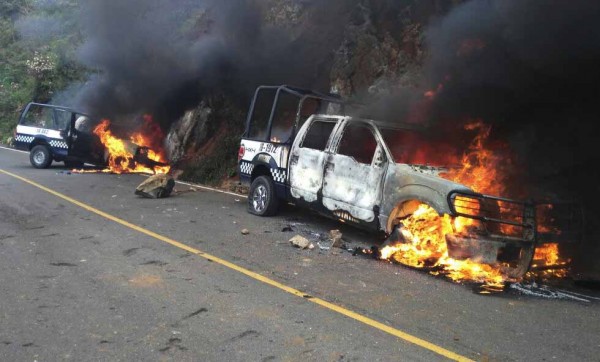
333	307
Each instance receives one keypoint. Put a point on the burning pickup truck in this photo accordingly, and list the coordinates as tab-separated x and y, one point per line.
55	133
353	170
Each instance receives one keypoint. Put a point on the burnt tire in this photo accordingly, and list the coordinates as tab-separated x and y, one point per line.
40	156
262	200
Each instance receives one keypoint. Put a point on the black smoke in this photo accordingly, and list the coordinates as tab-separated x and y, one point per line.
163	56
531	69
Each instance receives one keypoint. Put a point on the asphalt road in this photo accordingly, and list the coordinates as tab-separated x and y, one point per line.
75	285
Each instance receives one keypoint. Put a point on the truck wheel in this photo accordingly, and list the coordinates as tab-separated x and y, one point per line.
40	156
262	200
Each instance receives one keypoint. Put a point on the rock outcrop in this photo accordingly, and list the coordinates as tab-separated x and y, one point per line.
191	128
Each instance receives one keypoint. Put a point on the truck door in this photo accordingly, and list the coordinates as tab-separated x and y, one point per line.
353	174
85	146
308	157
80	141
62	122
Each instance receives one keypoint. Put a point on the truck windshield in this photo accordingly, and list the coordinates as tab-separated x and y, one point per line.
415	148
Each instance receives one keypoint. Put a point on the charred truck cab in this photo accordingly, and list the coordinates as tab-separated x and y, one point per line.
350	169
55	133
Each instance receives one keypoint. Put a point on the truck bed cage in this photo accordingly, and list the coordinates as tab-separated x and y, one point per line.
302	94
60	108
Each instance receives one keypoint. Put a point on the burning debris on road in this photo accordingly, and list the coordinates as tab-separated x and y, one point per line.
427	242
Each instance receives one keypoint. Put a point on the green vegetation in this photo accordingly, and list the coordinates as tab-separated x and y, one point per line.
220	163
37	45
217	166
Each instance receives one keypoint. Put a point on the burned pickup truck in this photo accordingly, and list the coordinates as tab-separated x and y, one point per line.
299	147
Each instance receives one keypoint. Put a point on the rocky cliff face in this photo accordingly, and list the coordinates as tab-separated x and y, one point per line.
202	145
373	47
373	59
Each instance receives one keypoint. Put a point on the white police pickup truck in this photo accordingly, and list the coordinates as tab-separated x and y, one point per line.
354	170
55	133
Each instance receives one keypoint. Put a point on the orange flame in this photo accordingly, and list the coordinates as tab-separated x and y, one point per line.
481	167
547	258
547	254
122	153
425	247
424	231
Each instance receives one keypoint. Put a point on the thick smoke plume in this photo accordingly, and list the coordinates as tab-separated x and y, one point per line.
163	56
531	69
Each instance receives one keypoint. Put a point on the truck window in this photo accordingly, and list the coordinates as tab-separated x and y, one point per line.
416	148
359	142
284	117
38	116
63	119
310	106
259	121
317	135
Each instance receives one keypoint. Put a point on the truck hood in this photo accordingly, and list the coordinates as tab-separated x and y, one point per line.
405	182
429	176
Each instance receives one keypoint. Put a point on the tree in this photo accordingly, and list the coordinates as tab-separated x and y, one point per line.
35	68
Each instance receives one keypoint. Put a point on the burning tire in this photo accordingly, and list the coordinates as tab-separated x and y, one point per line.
262	200
40	156
401	211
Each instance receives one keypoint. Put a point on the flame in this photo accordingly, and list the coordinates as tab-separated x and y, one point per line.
548	260
547	254
425	247
122	153
483	168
